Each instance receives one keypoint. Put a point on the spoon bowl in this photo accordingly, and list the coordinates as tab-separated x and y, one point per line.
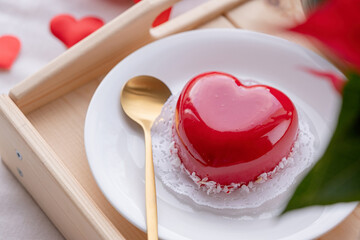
142	98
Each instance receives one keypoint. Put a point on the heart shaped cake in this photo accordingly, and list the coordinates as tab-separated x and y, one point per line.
231	133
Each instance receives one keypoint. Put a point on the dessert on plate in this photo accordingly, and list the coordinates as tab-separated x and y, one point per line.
231	133
231	144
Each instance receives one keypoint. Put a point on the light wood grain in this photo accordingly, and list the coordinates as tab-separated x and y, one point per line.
44	175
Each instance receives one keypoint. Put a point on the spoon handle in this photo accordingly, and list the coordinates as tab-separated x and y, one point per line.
150	190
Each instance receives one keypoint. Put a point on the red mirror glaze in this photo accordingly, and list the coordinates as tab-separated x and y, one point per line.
232	133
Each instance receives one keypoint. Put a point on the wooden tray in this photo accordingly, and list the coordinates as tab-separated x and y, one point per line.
42	119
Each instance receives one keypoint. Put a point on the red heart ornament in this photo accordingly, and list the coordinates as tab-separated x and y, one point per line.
70	31
231	133
163	17
9	50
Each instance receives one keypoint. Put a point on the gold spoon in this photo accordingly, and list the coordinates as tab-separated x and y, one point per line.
142	98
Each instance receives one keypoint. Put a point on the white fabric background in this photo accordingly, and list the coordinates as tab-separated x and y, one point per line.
20	217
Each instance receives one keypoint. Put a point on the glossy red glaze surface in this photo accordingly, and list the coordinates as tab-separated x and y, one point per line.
232	133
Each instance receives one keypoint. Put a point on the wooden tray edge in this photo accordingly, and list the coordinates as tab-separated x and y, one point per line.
40	171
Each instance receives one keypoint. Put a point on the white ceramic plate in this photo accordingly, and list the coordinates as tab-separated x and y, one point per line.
115	146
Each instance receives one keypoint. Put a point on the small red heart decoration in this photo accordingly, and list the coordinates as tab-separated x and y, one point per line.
9	50
163	17
70	31
232	133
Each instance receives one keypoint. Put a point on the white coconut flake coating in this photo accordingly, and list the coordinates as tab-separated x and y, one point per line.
262	198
